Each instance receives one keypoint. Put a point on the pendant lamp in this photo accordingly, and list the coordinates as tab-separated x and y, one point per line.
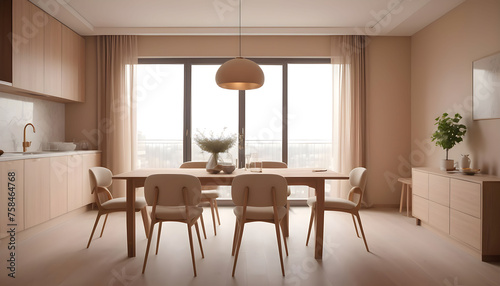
239	73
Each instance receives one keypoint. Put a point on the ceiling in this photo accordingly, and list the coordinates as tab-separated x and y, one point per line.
259	17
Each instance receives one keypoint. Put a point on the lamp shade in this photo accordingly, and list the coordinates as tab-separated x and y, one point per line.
239	74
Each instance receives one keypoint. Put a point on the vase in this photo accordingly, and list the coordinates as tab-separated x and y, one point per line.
465	162
213	166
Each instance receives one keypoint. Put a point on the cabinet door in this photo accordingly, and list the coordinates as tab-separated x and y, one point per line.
58	186
75	182
420	208
89	161
11	192
465	228
466	197
420	184
73	65
439	217
36	191
52	58
439	190
28	23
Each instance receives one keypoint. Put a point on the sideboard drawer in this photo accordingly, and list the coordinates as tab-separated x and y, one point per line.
466	197
465	228
420	208
439	217
439	190
420	184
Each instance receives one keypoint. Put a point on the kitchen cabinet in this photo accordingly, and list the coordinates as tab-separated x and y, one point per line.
39	55
58	186
73	65
75	182
11	192
466	209
28	22
36	191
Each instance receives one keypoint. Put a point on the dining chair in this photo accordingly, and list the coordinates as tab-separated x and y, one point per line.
174	198
357	179
100	180
258	198
280	165
209	194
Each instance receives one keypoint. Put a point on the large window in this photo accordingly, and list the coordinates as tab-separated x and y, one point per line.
289	119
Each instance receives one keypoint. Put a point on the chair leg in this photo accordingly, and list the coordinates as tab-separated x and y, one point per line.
355	226
362	232
150	236
158	239
211	202
278	238
310	224
284	238
235	241
191	246
217	210
145	220
104	224
199	238
203	226
238	242
93	229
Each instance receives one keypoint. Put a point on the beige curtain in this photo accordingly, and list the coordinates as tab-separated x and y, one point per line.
116	60
348	52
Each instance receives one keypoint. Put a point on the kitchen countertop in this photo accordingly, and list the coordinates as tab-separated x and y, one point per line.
12	156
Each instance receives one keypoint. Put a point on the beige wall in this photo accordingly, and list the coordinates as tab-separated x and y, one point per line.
388	117
388	92
441	79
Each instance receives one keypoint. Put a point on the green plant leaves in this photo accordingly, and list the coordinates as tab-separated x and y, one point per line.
449	132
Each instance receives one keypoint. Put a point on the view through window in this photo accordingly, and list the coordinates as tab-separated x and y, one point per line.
289	119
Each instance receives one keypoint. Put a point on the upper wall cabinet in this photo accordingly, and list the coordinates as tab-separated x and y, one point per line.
46	57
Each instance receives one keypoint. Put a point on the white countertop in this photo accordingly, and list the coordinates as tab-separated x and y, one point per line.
12	156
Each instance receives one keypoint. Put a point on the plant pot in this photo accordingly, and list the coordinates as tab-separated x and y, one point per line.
447	165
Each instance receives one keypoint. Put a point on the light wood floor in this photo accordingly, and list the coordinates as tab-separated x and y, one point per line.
401	254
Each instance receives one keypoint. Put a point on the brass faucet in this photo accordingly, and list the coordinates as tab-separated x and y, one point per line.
25	143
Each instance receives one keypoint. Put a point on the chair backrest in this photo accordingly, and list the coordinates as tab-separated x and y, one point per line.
274	164
259	189
100	177
194	164
357	178
171	188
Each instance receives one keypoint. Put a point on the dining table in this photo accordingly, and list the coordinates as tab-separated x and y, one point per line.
314	178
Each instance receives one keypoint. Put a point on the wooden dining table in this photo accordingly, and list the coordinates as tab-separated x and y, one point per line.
314	178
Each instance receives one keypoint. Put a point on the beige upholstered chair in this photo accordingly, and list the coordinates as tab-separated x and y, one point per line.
174	197
100	180
209	194
258	197
357	179
279	165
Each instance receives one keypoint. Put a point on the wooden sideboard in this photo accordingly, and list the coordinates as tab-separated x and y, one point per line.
463	208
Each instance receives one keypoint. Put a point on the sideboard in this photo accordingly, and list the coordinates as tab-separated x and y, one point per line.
463	208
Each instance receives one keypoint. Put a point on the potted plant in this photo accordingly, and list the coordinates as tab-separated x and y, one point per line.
214	145
449	132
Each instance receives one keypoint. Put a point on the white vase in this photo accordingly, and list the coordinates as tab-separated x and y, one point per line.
213	165
447	165
465	162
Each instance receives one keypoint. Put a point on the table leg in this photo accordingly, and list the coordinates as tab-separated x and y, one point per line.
319	222
130	218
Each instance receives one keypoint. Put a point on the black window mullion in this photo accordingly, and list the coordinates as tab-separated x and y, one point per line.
284	156
241	129
187	113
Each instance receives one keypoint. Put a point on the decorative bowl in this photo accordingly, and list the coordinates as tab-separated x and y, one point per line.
228	168
469	171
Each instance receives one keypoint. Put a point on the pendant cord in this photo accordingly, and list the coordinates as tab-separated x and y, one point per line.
240	29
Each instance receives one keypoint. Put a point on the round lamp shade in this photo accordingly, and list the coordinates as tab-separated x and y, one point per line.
239	74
